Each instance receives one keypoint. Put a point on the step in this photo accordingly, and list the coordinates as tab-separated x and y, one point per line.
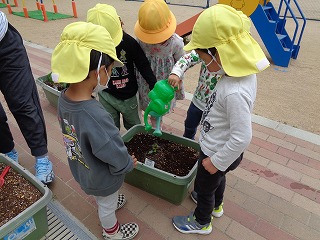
266	8
281	36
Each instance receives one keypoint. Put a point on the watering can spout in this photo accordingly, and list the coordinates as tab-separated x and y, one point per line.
160	96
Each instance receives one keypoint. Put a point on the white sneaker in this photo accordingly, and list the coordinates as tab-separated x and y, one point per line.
126	231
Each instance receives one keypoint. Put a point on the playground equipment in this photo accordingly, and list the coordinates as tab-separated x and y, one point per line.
246	6
160	96
8	5
270	24
41	12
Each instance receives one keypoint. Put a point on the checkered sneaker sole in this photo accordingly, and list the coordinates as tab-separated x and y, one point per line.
126	231
121	201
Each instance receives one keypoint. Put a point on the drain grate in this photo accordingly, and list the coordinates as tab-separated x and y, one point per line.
63	226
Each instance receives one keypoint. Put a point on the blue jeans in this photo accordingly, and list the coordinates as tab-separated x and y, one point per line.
192	121
210	189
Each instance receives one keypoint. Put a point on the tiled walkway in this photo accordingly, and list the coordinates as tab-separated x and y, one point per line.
274	194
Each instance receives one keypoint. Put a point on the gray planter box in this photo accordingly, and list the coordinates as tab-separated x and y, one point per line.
51	93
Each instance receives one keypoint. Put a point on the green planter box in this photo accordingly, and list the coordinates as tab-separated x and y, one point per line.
51	93
32	223
155	181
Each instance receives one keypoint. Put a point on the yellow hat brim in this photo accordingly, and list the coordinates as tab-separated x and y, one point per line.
71	57
156	37
227	30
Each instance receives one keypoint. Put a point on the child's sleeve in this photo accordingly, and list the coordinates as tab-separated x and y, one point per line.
178	48
185	62
239	115
142	64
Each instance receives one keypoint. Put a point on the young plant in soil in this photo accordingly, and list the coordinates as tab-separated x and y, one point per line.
16	195
58	86
167	156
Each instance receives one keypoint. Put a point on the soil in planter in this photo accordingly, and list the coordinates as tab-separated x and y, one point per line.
16	195
168	156
58	86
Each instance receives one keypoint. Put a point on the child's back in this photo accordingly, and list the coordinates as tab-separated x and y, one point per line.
96	153
155	30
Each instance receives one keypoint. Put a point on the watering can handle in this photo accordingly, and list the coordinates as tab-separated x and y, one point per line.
175	88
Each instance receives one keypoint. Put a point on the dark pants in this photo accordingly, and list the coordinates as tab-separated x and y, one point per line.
210	189
20	92
192	121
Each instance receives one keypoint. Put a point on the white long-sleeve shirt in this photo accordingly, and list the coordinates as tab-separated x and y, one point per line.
226	128
3	25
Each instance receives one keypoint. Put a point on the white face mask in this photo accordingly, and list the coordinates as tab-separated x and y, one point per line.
220	71
100	87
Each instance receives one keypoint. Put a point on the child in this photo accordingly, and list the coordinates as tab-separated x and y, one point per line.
206	84
120	96
20	91
97	156
155	30
226	129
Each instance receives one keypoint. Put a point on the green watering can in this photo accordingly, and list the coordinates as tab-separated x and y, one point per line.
160	96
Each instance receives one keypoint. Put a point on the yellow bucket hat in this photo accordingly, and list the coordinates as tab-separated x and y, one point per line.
156	23
71	57
106	16
228	30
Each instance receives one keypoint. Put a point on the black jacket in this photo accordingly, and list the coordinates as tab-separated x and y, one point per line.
123	83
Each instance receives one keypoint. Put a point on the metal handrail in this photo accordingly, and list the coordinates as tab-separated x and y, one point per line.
288	8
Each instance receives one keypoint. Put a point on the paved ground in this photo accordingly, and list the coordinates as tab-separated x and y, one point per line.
274	194
288	95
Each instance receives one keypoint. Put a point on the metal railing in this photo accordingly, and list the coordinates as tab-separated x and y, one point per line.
288	9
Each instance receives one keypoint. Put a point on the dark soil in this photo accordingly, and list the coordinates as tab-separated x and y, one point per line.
168	156
16	195
58	86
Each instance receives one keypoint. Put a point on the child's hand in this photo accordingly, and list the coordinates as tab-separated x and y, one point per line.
135	160
207	164
174	80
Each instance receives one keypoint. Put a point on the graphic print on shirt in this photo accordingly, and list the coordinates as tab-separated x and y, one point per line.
72	144
205	121
115	72
123	57
120	72
124	71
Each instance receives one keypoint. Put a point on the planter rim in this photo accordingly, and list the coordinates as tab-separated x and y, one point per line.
40	82
15	222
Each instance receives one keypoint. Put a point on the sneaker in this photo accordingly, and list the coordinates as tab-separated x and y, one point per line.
44	170
217	212
188	224
126	231
194	197
13	154
121	201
